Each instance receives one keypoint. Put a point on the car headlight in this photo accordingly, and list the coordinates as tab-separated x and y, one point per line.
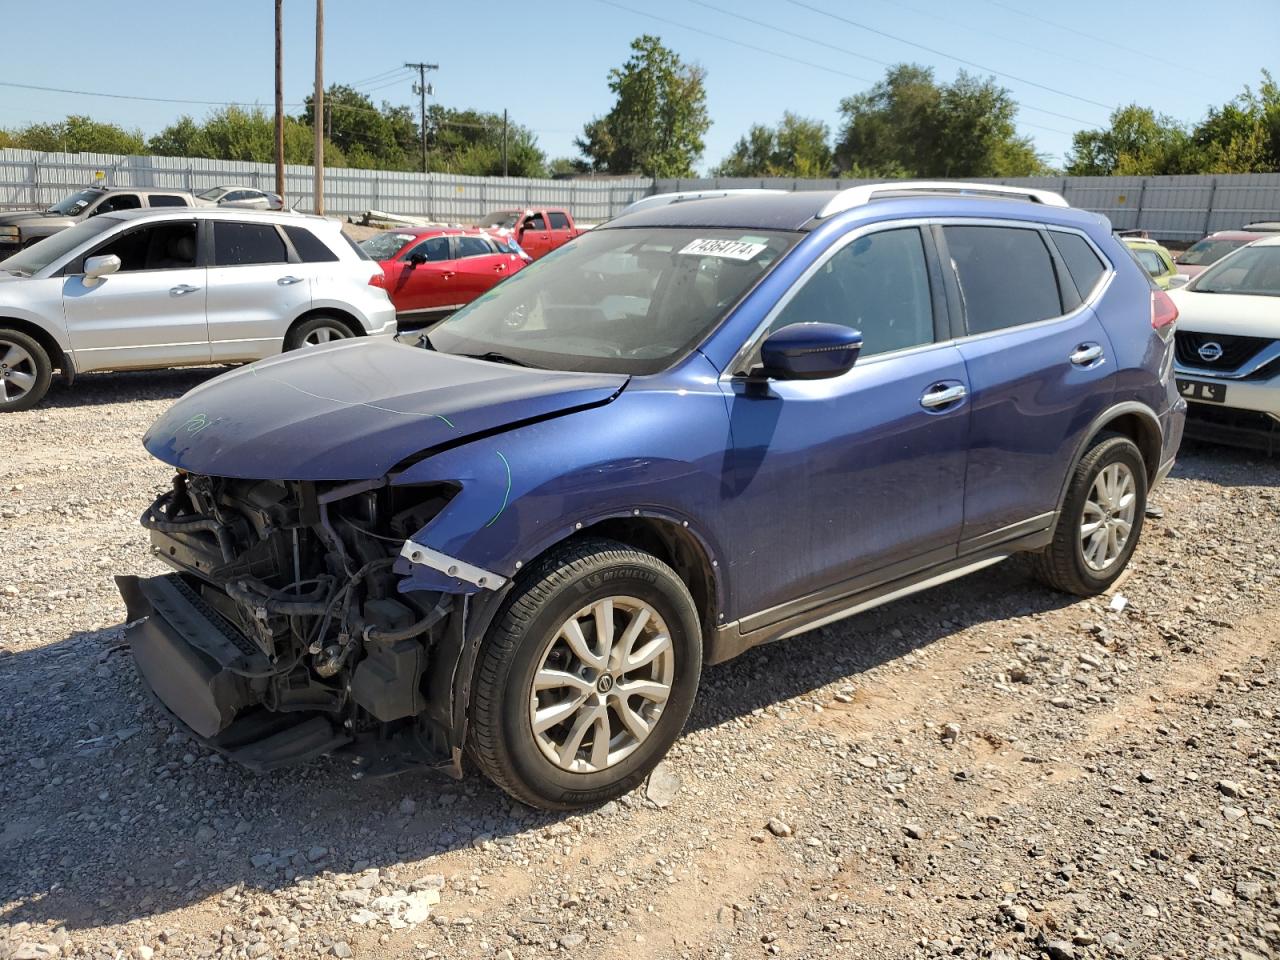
10	233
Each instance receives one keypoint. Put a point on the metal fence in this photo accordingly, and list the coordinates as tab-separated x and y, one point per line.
1182	208
30	180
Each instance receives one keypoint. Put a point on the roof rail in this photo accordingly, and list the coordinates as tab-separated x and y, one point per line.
866	192
662	199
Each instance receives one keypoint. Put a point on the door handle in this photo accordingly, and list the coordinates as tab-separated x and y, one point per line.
500	268
1086	354
182	289
446	275
288	281
942	395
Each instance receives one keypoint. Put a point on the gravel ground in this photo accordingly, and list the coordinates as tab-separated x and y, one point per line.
985	770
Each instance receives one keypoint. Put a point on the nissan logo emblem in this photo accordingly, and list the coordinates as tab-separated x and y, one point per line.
1211	351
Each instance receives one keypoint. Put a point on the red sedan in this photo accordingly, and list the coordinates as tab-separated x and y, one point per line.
432	271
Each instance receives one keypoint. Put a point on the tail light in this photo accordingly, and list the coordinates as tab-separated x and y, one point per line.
379	280
1164	312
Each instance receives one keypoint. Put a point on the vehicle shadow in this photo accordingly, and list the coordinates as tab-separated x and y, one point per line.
1227	466
113	814
93	389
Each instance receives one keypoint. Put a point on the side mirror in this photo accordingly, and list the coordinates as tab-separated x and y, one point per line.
95	268
1178	280
417	259
810	351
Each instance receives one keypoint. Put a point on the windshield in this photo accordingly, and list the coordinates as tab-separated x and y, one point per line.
384	246
615	301
213	194
503	218
1208	251
1254	270
75	204
39	255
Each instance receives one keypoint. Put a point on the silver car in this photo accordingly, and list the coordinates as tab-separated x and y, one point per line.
147	289
237	196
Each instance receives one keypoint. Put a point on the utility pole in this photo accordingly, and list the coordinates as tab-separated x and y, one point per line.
504	141
318	109
422	89
280	99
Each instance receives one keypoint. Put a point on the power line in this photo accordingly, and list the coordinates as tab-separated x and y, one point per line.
949	56
1181	65
883	63
738	43
376	76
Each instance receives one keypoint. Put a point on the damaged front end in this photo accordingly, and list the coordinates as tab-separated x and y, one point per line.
285	632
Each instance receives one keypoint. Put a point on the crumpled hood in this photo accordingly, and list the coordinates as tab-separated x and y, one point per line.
353	410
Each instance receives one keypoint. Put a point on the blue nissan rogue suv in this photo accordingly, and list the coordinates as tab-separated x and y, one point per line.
708	424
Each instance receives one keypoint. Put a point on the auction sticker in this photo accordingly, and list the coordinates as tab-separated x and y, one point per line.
728	249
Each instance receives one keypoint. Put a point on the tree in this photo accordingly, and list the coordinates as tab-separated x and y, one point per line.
910	125
659	117
797	147
1137	142
470	142
79	134
383	138
233	133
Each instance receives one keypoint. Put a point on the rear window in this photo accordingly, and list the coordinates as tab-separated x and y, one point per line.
1085	267
244	244
311	249
1006	276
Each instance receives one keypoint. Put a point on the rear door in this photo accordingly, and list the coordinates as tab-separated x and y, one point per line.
422	280
255	291
561	230
1039	364
534	235
479	265
149	314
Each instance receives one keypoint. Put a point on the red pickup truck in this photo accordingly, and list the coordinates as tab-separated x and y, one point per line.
538	231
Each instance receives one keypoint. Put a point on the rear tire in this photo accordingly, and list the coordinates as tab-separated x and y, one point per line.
573	703
317	331
1100	522
25	371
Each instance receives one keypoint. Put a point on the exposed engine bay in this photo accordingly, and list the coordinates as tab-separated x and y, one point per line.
283	634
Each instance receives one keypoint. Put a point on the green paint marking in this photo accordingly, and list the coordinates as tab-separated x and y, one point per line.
505	494
448	421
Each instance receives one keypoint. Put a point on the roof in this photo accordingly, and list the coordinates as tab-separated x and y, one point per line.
216	213
1237	235
441	231
808	209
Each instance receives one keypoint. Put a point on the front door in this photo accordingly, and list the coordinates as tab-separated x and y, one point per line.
1041	369
423	281
836	485
254	291
149	314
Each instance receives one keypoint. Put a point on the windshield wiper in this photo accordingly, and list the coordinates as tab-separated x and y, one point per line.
493	356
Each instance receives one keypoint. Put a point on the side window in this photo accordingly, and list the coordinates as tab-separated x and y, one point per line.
878	285
242	244
1150	261
437	248
1082	263
473	247
1006	276
311	249
558	220
165	200
536	222
121	201
161	246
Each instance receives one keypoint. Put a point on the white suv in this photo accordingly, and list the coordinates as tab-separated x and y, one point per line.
1228	348
145	289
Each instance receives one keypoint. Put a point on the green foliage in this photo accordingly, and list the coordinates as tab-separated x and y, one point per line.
797	147
77	134
370	137
233	133
908	124
659	117
470	142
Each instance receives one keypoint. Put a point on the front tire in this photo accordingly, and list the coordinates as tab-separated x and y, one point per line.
25	371
1100	522
586	677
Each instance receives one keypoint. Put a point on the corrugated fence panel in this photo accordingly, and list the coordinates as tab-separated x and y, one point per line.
1172	208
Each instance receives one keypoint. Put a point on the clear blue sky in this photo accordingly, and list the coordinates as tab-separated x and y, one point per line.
548	62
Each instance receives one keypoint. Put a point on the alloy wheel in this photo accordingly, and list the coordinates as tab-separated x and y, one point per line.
601	684
17	372
325	334
1108	516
